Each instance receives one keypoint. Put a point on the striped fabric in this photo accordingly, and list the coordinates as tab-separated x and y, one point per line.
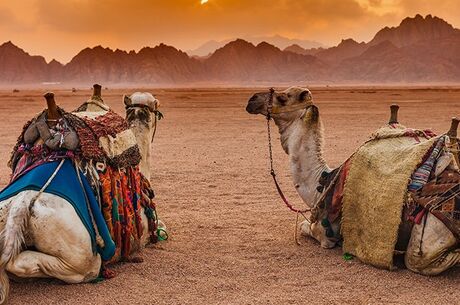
422	174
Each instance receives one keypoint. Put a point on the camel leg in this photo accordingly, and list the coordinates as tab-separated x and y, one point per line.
437	253
317	232
63	245
32	264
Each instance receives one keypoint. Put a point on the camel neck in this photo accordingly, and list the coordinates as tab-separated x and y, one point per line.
143	136
302	141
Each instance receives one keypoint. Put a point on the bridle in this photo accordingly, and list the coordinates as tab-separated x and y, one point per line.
156	113
271	110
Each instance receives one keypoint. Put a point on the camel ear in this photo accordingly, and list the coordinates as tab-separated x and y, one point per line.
304	95
127	100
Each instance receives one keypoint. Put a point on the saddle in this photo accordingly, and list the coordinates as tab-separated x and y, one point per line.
105	137
440	196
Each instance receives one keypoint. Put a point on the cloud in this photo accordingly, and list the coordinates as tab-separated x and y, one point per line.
84	16
185	22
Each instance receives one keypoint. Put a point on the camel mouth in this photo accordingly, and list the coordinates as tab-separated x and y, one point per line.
255	106
253	110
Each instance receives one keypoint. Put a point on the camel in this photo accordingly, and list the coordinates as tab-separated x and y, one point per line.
57	243
301	135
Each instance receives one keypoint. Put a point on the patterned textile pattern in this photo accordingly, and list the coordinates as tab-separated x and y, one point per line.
421	176
440	197
90	131
123	193
89	142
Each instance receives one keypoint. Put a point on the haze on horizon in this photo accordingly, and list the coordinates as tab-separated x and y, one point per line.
61	28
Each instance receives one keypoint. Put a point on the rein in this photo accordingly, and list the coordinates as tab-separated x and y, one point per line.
270	152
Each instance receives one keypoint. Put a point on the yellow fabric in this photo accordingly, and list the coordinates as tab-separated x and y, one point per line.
375	191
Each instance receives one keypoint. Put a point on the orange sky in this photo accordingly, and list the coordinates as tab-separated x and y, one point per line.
60	28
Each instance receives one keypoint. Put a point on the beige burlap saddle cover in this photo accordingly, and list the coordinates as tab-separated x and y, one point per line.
375	192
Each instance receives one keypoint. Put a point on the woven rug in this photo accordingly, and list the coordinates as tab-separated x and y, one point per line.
105	136
375	192
440	197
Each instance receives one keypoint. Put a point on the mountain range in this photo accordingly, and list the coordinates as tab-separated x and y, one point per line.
418	50
278	41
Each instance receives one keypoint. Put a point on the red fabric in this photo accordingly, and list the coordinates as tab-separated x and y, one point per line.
122	198
335	208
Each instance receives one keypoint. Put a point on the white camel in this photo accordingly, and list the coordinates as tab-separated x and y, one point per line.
61	244
301	137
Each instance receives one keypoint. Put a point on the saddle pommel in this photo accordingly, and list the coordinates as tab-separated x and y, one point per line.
97	90
393	114
53	112
452	133
49	96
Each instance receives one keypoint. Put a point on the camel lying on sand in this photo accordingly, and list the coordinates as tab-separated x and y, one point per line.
58	244
301	138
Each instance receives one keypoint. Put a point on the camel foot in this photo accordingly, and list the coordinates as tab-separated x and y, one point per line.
136	260
108	273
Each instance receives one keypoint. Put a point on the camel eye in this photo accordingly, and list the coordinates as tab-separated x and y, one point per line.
282	99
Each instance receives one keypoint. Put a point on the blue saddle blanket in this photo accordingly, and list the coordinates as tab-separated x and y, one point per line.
67	186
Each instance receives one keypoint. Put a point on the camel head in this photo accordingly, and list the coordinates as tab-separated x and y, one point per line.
141	107
142	115
284	103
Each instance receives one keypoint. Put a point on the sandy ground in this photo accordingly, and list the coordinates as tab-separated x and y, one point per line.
231	239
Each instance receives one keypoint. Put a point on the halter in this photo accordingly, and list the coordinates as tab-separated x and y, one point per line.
291	108
157	114
139	106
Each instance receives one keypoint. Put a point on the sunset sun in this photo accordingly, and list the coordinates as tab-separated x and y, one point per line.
203	2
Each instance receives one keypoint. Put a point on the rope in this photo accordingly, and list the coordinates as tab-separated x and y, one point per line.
155	128
99	239
45	186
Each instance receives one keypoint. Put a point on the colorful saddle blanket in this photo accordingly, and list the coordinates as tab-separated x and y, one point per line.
82	199
123	194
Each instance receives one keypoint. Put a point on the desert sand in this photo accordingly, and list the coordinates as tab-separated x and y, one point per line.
231	238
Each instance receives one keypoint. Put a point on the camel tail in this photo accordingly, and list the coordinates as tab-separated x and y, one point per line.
12	240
